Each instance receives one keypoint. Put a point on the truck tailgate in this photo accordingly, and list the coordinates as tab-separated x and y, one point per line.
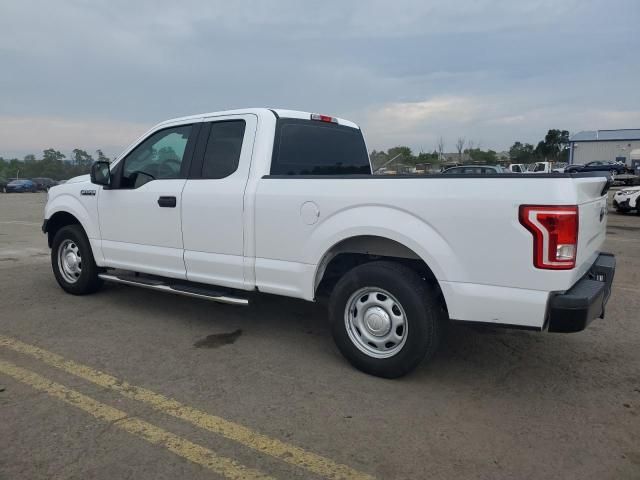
592	208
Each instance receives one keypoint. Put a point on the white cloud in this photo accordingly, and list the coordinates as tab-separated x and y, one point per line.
493	121
412	114
408	71
22	135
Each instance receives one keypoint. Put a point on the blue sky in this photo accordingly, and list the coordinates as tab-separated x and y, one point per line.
98	74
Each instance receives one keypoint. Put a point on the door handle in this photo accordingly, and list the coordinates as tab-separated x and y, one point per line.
169	202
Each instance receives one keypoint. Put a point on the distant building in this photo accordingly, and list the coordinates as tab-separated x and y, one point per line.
605	145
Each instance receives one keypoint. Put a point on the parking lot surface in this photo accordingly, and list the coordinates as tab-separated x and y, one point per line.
130	383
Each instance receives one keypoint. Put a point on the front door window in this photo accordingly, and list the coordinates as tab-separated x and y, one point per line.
158	157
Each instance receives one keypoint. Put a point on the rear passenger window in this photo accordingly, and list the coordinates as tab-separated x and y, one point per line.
224	145
306	147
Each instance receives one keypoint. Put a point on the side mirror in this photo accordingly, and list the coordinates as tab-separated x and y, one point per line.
100	174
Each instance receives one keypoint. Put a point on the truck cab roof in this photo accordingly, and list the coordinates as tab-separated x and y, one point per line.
278	112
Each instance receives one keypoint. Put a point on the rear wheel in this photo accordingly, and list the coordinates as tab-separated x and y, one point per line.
73	263
385	319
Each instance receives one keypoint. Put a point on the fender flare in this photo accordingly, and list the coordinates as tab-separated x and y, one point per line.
69	204
387	222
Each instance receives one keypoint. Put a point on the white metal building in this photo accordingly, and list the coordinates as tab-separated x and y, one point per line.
606	145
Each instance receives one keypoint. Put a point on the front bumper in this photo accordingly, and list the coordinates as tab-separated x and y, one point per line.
573	310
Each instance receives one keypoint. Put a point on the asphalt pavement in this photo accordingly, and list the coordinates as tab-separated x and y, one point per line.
131	383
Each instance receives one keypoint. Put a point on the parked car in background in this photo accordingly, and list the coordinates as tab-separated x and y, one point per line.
475	170
517	168
614	168
44	183
547	167
3	184
627	199
16	186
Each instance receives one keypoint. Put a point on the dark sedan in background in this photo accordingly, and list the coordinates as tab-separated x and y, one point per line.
16	186
614	168
44	183
475	170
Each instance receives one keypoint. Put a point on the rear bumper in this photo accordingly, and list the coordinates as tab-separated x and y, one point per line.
573	310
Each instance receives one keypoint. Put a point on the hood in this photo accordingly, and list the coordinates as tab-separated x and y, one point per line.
79	179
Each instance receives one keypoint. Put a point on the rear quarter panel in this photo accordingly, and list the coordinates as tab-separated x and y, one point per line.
466	230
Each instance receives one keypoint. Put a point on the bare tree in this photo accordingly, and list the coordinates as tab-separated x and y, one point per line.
440	147
460	147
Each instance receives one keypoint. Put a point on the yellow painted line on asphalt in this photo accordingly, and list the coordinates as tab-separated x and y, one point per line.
286	452
119	419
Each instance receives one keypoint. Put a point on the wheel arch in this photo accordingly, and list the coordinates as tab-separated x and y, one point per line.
67	210
59	220
356	250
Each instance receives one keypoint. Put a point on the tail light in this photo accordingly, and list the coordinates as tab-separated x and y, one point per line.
555	235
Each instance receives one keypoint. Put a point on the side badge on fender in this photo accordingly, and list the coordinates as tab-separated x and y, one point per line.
88	192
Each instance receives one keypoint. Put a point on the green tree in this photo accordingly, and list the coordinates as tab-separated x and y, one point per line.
50	166
521	152
377	159
555	146
102	157
403	154
52	155
424	157
394	157
489	157
81	158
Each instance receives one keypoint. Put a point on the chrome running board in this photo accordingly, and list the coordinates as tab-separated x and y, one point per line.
178	289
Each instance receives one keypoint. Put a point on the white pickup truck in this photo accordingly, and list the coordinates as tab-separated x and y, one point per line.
219	205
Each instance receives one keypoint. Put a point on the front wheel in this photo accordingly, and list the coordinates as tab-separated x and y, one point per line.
73	263
385	319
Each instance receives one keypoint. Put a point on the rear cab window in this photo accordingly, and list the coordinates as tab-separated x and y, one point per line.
310	147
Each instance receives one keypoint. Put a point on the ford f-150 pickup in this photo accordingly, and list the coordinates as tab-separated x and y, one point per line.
218	205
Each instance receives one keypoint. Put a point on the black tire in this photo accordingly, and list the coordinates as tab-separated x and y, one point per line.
425	317
88	280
